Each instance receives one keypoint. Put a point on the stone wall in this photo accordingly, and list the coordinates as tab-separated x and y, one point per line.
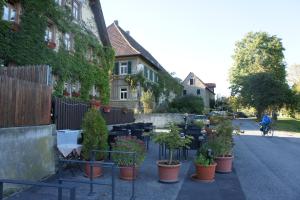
160	120
27	153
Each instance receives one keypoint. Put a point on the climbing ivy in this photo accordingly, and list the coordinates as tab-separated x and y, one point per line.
165	85
27	46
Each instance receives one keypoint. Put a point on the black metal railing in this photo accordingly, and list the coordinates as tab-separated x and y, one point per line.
133	154
59	187
91	181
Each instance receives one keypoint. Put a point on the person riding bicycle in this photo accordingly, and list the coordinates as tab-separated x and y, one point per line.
265	123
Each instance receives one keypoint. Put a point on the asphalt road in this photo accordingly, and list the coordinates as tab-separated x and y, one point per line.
268	168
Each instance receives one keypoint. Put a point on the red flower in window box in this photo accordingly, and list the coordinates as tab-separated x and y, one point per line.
75	94
106	108
15	27
66	93
51	45
95	104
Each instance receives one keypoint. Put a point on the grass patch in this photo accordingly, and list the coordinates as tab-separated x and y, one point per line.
291	125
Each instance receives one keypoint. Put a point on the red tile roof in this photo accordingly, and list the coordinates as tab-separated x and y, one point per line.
125	45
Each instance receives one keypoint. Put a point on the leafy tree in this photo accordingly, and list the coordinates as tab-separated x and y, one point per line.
263	91
255	53
187	104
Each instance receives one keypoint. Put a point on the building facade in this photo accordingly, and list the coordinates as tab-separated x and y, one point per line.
195	86
132	60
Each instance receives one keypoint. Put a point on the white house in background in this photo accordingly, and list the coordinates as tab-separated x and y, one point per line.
195	86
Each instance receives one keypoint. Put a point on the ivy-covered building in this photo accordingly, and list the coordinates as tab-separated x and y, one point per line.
68	35
139	81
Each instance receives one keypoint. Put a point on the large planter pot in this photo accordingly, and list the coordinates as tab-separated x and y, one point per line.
168	173
51	45
128	173
97	171
106	109
205	173
224	164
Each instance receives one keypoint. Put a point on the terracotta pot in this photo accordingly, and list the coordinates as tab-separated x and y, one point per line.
168	173
205	173
15	27
51	45
106	109
224	164
66	93
127	173
97	171
95	104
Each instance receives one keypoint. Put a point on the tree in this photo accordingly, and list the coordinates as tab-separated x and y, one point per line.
255	53
187	104
263	91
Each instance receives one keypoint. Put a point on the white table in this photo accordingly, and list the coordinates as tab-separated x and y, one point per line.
67	142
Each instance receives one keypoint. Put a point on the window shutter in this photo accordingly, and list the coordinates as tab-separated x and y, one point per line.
145	72
116	68
129	67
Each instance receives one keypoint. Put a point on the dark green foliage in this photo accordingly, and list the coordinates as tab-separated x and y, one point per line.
165	85
172	140
27	47
95	134
263	91
187	104
128	144
257	52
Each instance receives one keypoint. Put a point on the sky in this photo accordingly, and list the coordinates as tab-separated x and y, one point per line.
199	35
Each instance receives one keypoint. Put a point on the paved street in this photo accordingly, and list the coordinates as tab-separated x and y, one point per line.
268	167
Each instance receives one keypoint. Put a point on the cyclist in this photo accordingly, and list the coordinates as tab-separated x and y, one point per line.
265	123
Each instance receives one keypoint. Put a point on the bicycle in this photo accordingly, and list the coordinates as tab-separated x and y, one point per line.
267	131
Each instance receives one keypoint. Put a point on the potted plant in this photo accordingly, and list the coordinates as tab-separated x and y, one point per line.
95	103
169	169
95	137
66	93
51	45
75	94
224	147
204	163
127	163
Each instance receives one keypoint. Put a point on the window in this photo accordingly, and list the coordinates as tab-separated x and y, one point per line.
11	12
90	54
123	93
145	72
151	75
50	33
68	41
76	8
198	91
184	92
191	81
123	68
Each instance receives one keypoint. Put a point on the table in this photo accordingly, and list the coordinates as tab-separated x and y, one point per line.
67	142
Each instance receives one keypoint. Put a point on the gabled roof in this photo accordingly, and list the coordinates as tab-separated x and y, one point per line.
125	45
99	19
205	84
210	85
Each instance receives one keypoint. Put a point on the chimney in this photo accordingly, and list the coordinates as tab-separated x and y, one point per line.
128	32
116	22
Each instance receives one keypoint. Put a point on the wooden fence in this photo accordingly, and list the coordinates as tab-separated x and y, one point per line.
69	113
24	103
37	73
